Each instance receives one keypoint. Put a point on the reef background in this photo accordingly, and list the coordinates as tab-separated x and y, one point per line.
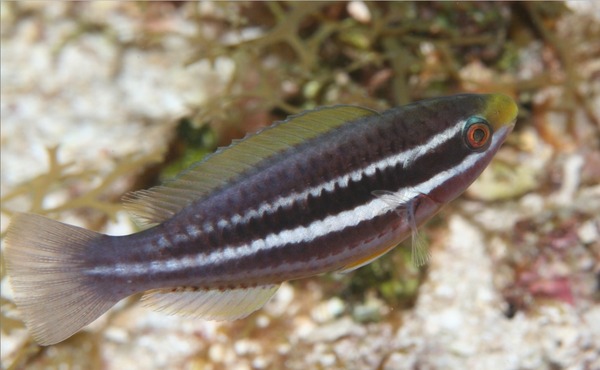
100	98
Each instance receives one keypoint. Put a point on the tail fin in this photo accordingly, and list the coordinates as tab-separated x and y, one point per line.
46	261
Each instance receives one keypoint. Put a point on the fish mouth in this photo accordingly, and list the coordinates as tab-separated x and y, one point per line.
501	134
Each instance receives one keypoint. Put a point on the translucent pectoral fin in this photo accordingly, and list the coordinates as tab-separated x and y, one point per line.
220	305
393	200
420	251
405	203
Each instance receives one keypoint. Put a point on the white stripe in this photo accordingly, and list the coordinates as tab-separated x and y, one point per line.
343	181
301	234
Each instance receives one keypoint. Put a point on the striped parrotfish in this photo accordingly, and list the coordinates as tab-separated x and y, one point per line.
330	189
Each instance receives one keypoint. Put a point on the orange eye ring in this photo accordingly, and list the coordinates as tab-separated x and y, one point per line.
477	134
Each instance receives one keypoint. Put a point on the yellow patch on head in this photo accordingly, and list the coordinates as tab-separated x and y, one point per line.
500	110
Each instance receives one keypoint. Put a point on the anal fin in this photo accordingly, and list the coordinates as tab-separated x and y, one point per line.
220	305
365	261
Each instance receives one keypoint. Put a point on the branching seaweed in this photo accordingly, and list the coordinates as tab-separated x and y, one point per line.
293	56
84	194
290	56
60	176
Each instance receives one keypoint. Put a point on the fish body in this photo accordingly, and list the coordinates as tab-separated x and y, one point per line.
327	190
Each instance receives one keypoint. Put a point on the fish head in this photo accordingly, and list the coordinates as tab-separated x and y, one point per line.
482	124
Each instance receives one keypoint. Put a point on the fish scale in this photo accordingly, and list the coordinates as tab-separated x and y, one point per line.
328	190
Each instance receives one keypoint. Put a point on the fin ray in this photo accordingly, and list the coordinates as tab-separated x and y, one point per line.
227	163
231	304
45	261
401	201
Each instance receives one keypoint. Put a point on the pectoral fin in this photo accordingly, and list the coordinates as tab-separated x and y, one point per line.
405	203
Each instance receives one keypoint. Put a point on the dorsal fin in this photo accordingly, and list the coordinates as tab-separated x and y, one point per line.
162	202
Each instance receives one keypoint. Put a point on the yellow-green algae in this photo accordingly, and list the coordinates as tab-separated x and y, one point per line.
306	55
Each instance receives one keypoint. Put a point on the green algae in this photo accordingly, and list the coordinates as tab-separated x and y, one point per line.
306	55
191	144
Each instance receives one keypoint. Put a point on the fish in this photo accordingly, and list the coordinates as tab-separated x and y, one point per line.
327	190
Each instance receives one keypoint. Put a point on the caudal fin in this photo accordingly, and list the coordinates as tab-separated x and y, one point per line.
46	261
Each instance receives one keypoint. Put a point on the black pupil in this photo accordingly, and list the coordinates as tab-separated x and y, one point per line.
478	135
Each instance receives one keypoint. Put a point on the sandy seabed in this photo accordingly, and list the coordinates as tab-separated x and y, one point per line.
99	101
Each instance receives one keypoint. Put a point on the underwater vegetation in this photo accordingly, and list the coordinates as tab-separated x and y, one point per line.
537	205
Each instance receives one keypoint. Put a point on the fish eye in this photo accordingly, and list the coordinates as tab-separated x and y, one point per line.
477	133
